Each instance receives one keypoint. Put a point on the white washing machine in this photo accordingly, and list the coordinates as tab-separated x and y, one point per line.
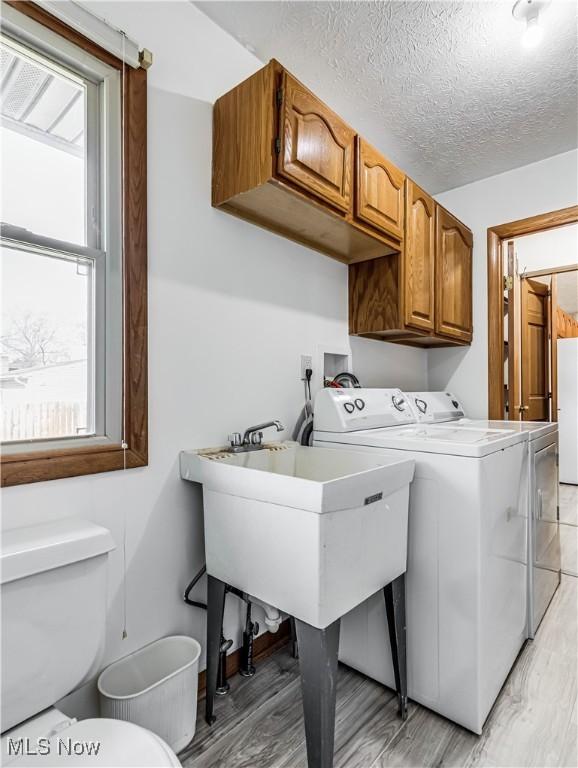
541	491
467	550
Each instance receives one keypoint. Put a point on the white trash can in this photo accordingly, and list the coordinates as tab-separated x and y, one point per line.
156	688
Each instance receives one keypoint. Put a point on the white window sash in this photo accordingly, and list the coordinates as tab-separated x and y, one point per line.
19	238
103	227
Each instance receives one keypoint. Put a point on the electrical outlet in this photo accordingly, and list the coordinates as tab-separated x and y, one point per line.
306	363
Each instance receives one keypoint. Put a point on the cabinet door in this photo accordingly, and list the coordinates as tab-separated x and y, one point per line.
380	191
316	146
419	258
453	265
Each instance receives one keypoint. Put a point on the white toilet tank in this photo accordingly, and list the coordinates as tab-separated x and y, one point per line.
53	582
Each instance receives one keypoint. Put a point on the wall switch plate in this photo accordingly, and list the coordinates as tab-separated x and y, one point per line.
306	363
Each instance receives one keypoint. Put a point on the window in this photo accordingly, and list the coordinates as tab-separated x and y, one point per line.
45	111
73	277
50	209
47	346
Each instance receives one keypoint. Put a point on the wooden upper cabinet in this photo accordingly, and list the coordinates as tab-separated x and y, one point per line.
419	261
454	243
284	161
317	147
379	201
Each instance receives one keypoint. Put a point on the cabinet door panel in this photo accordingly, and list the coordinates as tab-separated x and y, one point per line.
380	191
453	277
419	258
316	146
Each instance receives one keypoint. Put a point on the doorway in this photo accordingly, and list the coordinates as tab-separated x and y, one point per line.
504	303
533	345
541	308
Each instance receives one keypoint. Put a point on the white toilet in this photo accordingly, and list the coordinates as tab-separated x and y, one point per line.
53	579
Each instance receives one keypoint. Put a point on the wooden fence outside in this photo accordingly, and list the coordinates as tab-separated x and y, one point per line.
30	421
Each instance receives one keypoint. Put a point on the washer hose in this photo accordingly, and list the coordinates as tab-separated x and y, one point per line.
196	603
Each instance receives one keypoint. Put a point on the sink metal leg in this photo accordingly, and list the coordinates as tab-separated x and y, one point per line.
215	610
318	649
394	594
294	646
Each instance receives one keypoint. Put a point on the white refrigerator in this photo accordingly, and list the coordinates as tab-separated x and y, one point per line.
568	409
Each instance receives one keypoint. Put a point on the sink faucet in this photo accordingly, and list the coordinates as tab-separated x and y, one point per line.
252	439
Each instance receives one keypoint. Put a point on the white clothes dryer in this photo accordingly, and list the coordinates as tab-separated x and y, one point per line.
541	491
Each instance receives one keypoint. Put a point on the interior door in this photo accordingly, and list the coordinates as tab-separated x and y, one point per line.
379	198
419	258
316	146
535	359
546	541
454	242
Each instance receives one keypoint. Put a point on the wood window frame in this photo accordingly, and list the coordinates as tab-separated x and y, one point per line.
496	236
46	464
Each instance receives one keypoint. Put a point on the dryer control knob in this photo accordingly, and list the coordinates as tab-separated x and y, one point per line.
421	405
349	407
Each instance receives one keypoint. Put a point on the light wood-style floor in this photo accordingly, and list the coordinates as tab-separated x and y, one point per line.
534	722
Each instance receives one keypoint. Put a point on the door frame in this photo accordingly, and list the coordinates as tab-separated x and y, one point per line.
514	337
496	236
553	346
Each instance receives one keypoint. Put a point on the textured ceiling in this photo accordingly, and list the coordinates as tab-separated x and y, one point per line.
445	89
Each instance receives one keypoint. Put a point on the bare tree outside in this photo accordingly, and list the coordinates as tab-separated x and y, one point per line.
32	341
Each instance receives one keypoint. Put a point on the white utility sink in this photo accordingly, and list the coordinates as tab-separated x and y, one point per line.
312	531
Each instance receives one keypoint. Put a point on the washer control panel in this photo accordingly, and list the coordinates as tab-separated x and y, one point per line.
435	407
347	410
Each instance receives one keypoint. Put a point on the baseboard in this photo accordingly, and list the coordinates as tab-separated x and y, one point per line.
263	646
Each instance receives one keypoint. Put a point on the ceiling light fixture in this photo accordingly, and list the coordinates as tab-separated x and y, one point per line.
529	11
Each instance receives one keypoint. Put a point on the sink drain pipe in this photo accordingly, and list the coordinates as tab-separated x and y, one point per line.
251	629
273	619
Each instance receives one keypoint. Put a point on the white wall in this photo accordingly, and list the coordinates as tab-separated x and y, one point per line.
553	248
378	365
231	308
537	188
